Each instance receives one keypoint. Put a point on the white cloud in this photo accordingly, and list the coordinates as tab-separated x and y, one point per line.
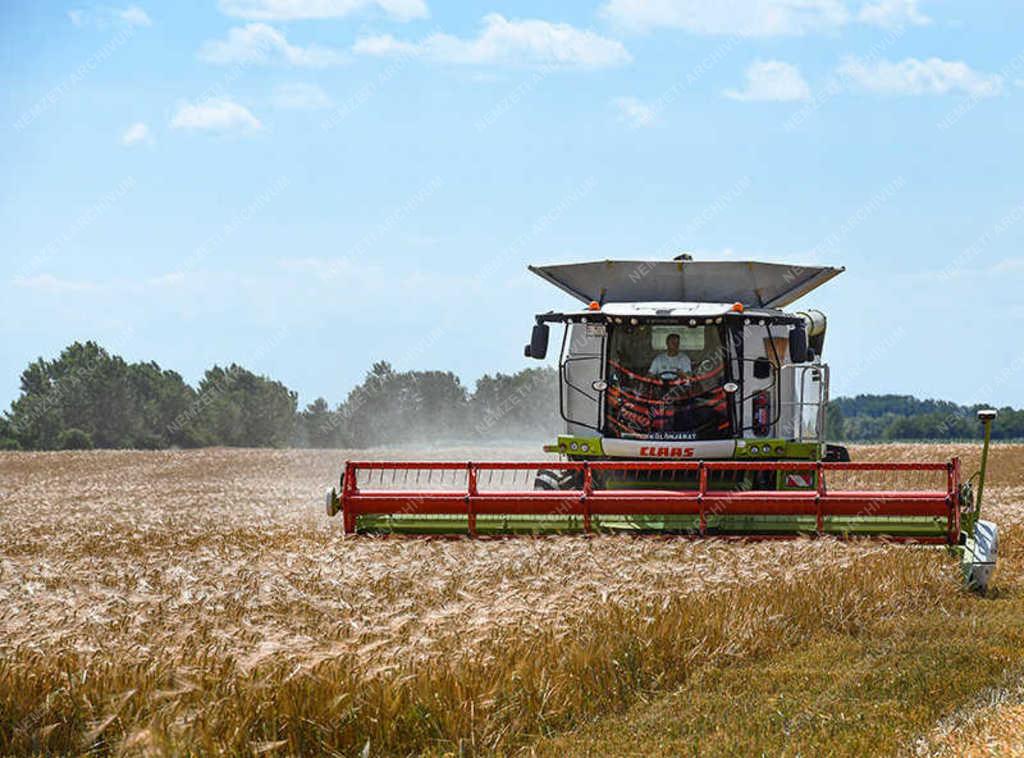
52	285
217	115
514	42
262	43
892	14
173	279
299	96
320	268
745	18
135	134
131	15
287	10
774	81
385	44
635	112
919	77
1009	265
759	18
135	16
366	281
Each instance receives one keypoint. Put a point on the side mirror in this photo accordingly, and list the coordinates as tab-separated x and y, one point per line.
538	347
762	368
798	344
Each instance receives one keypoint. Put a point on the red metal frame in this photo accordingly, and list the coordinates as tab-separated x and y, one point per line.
587	502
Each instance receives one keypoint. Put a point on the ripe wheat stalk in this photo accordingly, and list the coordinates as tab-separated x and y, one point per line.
173	602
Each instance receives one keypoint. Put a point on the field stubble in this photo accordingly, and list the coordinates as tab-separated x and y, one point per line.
200	601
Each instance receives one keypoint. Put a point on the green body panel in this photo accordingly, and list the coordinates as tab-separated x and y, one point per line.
578	447
779	450
732	525
589	448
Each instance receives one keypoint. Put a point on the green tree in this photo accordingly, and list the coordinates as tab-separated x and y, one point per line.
524	404
413	406
318	425
74	439
160	397
7	440
1009	424
835	426
238	408
86	388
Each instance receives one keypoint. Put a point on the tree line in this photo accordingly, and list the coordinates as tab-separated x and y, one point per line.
87	398
867	418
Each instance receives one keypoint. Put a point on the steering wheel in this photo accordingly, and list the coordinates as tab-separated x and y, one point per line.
671	376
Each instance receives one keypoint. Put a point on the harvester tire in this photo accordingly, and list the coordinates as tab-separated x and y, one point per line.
546	480
557	480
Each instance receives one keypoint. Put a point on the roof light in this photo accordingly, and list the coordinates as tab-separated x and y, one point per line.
594	305
737	307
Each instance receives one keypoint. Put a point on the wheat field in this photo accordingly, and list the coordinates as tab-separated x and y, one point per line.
199	602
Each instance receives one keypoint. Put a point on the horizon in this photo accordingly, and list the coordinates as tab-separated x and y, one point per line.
307	192
470	386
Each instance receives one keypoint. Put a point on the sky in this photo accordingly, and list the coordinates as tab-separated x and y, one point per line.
305	187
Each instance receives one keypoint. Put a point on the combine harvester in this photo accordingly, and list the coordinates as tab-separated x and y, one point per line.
693	404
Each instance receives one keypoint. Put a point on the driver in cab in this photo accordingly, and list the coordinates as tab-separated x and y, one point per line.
670	361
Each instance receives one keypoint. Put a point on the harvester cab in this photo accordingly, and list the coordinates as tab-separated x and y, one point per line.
686	360
693	404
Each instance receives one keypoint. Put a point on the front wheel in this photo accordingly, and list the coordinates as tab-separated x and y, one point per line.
547	479
835	454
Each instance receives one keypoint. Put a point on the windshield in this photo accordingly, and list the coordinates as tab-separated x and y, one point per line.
665	382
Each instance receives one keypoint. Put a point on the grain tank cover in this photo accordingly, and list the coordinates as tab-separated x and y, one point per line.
766	285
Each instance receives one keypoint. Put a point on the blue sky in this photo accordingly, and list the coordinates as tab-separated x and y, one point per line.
307	186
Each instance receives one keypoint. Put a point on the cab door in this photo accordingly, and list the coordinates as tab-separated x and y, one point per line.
580	367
